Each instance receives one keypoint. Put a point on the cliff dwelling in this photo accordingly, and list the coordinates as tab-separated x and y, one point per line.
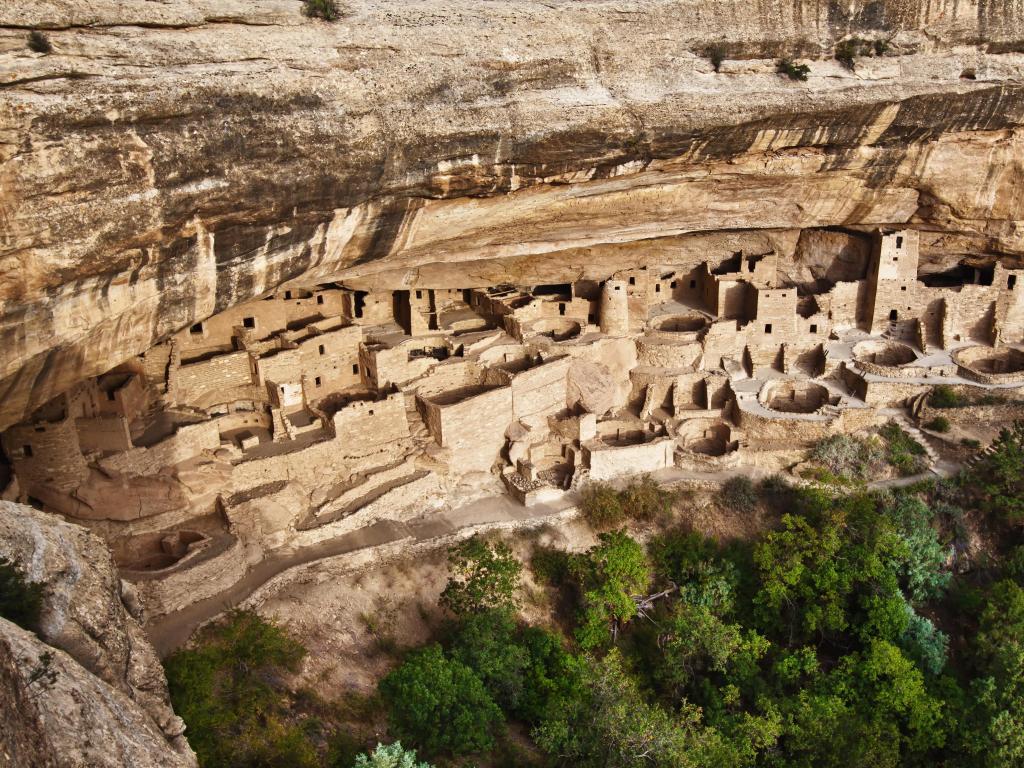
321	409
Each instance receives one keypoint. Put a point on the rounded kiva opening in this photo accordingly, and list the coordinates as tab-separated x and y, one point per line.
557	328
890	354
991	362
794	396
688	323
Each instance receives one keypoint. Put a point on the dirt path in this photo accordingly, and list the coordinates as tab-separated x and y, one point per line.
167	633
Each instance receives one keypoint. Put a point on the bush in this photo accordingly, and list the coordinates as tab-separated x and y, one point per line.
550	566
39	42
846	51
484	576
849	457
904	453
938	424
321	9
227	691
645	500
602	507
793	70
21	600
944	396
970	442
440	704
390	756
738	493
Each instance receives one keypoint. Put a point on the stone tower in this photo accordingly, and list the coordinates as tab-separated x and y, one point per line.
614	308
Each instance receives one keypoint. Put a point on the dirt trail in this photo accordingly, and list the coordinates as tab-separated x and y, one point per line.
172	631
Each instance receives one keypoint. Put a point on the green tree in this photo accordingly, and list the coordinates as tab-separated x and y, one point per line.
610	576
226	688
997	480
610	725
390	756
484	576
439	704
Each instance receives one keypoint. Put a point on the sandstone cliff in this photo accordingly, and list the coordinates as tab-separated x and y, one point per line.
168	160
102	699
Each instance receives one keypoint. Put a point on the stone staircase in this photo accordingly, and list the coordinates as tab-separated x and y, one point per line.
920	437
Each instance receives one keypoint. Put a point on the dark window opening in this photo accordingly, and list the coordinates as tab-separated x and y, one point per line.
282	389
657	288
196	329
320	299
561	309
554	289
899	241
27	451
893	315
249	322
323	349
110	395
355	368
371	411
693	284
618	287
1011	281
814	328
673	284
360	303
768	328
632	281
287	294
419	294
895	259
317	380
903	287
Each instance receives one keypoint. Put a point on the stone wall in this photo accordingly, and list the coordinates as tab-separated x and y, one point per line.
186	443
474	428
101	434
540	391
371	422
204	381
605	462
47	454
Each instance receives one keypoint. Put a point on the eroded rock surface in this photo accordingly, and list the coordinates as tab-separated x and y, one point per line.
169	160
109	705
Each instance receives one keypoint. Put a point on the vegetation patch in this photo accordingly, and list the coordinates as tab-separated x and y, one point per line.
21	600
38	42
739	494
643	500
321	9
849	458
938	424
904	453
792	70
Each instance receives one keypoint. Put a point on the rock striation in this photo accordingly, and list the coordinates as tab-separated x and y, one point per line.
103	698
170	160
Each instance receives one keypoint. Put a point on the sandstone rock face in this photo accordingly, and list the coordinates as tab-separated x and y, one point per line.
171	159
105	650
70	717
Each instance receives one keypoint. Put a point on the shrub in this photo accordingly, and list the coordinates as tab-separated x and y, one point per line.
39	42
846	51
390	756
440	704
609	575
938	424
226	691
602	507
970	442
793	70
484	576
550	566
998	478
21	600
738	493
944	396
904	453
849	457
645	500
321	9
